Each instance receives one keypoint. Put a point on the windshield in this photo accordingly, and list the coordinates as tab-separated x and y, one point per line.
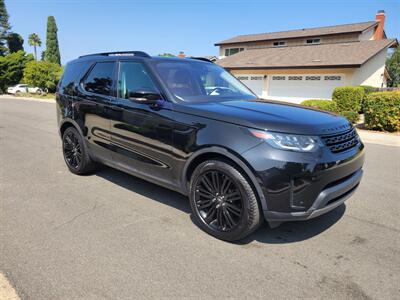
195	81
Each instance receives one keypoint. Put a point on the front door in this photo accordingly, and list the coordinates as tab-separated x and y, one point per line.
141	133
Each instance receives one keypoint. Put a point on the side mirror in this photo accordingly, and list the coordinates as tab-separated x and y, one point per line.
149	97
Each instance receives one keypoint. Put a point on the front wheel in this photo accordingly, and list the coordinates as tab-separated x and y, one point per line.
223	201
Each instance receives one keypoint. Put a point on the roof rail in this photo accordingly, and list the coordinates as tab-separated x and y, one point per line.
200	58
119	53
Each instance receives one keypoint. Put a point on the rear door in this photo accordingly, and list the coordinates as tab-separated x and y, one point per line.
141	133
92	106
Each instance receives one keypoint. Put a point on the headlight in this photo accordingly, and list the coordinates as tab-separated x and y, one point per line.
291	142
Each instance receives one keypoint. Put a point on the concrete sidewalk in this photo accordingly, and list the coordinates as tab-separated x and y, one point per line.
380	138
5	96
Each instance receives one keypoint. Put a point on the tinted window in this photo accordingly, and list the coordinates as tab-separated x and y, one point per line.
72	75
99	80
133	77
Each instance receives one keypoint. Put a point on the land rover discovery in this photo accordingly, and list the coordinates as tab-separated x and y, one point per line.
190	126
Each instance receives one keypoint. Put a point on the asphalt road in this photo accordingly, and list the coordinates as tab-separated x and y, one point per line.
113	236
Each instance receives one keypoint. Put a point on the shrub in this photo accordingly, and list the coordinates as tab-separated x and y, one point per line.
328	105
367	90
348	98
43	74
351	116
331	106
382	111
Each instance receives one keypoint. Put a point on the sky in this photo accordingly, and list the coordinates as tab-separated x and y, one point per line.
192	26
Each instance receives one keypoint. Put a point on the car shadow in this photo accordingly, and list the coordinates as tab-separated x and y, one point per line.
291	232
288	232
145	188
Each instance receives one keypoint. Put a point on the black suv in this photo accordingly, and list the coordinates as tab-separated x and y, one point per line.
190	126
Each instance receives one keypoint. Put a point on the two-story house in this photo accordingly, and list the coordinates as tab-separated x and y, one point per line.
309	63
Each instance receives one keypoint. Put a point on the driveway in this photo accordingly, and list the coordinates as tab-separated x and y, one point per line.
113	236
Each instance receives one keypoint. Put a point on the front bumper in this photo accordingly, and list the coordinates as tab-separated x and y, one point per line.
301	186
327	200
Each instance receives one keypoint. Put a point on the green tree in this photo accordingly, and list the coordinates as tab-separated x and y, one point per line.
166	55
52	50
12	68
393	67
4	28
34	40
15	42
43	74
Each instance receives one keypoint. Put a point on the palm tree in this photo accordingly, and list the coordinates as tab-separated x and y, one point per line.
34	40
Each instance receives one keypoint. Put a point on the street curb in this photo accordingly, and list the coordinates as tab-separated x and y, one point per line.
380	138
27	98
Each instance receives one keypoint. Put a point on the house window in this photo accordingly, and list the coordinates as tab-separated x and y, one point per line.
313	41
231	51
279	44
332	78
278	77
313	77
295	77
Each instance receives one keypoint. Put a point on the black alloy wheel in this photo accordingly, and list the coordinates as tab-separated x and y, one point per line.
223	201
72	150
218	201
75	154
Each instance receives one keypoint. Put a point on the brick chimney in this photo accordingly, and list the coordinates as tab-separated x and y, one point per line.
380	18
181	54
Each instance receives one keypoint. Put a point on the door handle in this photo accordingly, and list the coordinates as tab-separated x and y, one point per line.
116	108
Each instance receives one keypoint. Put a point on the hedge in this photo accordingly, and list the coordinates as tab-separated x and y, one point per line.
351	116
331	106
348	98
367	90
382	111
327	105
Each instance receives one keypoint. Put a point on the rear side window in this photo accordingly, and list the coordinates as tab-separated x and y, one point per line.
99	80
72	75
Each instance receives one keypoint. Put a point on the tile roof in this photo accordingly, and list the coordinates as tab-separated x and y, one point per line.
324	55
319	31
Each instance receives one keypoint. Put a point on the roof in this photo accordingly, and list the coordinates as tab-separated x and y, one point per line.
319	31
352	54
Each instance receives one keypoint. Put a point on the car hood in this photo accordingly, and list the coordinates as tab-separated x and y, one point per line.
269	115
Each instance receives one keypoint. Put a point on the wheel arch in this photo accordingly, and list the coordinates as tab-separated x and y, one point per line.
67	122
215	152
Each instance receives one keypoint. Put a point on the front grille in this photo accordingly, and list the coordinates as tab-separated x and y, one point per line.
342	141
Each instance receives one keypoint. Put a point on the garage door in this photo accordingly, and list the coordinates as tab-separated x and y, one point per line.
296	88
253	82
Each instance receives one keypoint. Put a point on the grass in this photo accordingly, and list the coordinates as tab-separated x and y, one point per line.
45	96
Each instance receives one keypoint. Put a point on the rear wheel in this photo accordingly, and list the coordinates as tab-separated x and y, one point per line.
75	153
223	201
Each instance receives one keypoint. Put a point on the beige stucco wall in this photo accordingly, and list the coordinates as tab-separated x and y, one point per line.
371	73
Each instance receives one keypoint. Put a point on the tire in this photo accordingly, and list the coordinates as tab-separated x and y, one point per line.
75	153
223	201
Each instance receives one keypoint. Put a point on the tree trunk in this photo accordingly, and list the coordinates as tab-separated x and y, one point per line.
34	47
